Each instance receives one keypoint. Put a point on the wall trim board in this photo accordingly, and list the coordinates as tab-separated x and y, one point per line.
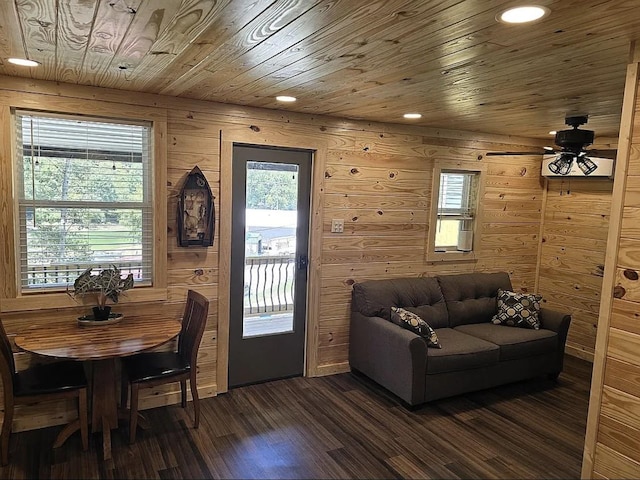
333	369
224	264
579	353
174	398
8	286
543	208
254	136
615	224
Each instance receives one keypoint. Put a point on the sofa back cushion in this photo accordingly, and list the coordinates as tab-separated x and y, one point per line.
471	297
421	295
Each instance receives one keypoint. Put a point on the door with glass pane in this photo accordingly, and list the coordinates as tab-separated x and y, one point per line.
269	257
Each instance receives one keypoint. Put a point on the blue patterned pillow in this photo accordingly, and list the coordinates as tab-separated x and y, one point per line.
518	309
413	322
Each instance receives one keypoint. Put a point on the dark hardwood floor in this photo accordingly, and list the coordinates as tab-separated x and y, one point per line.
342	426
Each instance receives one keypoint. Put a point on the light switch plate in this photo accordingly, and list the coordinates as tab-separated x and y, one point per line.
337	225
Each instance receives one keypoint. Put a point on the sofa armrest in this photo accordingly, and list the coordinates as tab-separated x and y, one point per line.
394	357
558	322
554	320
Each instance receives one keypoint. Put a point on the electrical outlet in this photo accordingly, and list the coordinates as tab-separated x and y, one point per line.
337	225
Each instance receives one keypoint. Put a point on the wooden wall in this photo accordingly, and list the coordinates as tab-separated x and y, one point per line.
612	443
574	243
378	178
383	188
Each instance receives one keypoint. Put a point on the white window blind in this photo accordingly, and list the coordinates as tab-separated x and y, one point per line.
457	198
84	198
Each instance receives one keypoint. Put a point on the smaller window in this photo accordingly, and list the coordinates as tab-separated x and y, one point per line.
455	202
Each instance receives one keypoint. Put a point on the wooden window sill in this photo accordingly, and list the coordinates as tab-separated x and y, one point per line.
47	301
452	256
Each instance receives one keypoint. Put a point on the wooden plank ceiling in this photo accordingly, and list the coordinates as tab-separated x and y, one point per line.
366	59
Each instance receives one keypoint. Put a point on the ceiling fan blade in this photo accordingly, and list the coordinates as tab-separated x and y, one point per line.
541	152
604	153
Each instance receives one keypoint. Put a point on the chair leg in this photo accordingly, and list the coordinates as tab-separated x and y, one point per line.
84	416
124	391
133	418
196	400
6	432
183	393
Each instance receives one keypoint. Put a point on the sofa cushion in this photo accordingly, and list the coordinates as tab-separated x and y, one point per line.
471	297
517	309
460	352
413	322
420	295
513	342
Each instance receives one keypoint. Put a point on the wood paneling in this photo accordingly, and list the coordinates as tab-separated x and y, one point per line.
610	463
377	177
574	233
613	426
370	60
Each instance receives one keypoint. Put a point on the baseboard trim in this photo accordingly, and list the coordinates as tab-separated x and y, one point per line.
577	352
332	369
154	399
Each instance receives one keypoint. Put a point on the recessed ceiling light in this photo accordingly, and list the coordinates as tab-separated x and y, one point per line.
412	115
23	62
285	98
523	14
552	132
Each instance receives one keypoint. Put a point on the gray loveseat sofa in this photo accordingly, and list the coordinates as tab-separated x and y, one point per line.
475	353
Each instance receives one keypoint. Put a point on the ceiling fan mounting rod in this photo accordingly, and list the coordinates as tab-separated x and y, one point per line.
576	121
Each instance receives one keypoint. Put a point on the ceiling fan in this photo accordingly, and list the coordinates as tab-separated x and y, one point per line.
572	143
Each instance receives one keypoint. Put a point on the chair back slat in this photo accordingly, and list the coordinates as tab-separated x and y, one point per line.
7	363
193	324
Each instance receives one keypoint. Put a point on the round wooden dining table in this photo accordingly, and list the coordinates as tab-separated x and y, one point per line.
101	345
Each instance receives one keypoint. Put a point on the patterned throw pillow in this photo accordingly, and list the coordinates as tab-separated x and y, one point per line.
413	322
518	309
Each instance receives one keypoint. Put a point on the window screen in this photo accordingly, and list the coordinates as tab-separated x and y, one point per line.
84	198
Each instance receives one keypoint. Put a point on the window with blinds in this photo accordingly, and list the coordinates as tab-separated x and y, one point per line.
457	198
84	198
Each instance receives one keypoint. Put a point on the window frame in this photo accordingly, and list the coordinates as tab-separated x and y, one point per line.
12	299
454	167
145	205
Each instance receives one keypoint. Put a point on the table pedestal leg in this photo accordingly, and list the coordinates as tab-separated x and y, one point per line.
125	414
104	411
66	432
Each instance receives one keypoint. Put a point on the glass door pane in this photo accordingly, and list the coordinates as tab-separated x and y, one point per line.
270	248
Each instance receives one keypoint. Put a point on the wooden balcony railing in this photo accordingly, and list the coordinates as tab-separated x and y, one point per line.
65	274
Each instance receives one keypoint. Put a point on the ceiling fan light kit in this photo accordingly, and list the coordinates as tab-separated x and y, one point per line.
572	160
561	165
567	164
587	165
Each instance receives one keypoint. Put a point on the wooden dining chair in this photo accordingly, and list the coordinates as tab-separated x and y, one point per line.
156	368
53	381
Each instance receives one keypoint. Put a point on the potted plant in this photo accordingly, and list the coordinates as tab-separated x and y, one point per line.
107	285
